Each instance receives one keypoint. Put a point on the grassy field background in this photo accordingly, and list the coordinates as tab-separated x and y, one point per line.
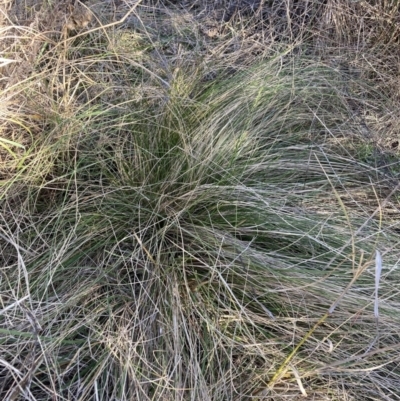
199	200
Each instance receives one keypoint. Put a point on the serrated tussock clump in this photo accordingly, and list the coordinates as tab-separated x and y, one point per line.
173	230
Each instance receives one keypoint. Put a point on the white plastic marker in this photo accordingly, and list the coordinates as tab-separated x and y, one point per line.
378	271
5	61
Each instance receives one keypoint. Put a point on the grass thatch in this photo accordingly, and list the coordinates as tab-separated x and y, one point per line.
192	204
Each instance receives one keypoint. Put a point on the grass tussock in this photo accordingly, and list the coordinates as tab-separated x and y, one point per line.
192	204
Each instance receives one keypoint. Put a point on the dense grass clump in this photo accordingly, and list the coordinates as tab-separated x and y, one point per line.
192	228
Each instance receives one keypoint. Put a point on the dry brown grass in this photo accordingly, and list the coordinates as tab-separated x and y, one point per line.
187	188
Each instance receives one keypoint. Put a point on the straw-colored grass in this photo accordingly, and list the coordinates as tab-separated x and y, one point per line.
188	214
